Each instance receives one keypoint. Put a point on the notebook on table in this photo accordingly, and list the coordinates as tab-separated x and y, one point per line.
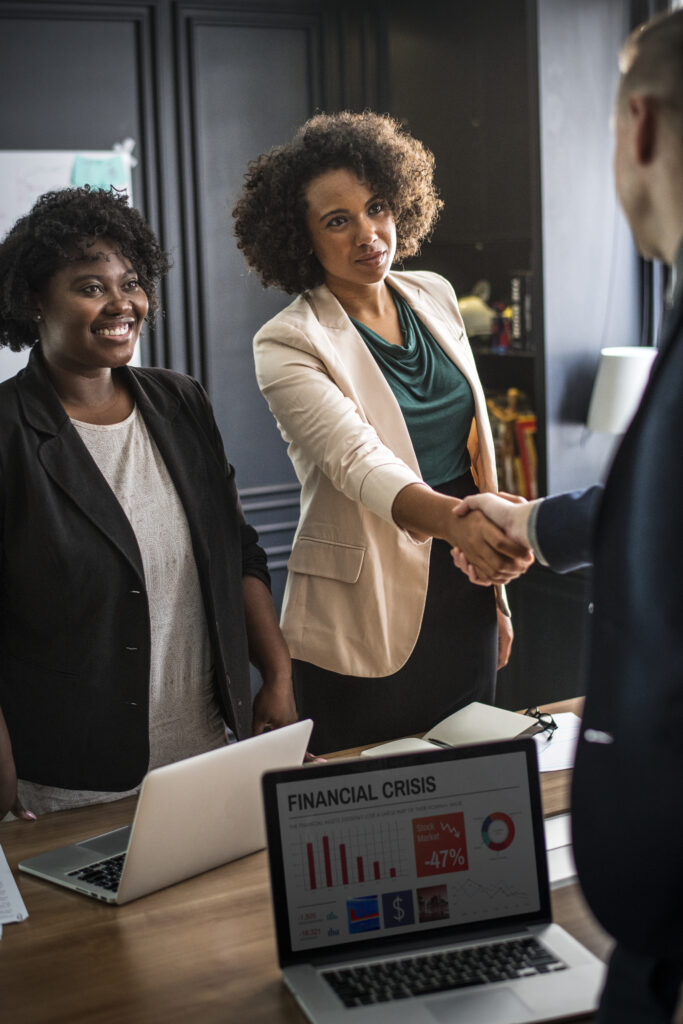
414	888
191	816
475	723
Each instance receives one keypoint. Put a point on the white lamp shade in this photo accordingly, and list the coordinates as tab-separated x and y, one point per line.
619	384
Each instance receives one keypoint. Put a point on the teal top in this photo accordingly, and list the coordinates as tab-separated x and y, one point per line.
435	398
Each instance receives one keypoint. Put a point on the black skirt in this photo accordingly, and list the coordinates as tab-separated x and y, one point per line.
453	662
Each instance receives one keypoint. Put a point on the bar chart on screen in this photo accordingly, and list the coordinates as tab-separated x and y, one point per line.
332	857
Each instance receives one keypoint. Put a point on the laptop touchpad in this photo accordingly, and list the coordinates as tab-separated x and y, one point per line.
108	844
480	1007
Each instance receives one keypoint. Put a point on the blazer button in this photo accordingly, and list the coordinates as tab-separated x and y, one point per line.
132	648
591	607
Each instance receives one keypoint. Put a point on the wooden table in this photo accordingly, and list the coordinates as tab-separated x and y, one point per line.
197	953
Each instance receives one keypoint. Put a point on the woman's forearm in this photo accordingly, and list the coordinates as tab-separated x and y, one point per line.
426	513
274	704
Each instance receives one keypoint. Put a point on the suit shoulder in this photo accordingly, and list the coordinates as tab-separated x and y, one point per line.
8	398
170	381
425	279
8	387
297	315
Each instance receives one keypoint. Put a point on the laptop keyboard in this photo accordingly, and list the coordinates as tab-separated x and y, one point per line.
105	873
441	972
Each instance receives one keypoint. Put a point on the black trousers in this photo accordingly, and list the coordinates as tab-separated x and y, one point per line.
453	662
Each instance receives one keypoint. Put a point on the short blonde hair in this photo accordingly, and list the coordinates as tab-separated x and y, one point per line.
651	64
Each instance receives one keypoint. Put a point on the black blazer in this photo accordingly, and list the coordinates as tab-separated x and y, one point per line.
74	620
628	780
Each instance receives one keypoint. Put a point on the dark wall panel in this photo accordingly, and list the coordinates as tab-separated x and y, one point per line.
79	76
236	115
459	80
77	79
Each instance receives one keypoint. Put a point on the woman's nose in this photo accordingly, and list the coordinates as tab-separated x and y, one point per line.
118	300
365	231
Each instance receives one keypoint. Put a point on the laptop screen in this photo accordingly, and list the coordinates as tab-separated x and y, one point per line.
405	846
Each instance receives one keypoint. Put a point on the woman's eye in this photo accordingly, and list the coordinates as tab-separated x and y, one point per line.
92	289
335	222
132	284
377	206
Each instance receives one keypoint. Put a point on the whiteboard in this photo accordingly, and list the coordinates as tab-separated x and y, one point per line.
25	175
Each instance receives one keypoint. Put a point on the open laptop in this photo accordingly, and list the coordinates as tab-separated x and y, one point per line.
414	889
191	816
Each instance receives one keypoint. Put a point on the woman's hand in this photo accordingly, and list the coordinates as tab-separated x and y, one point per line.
489	553
505	637
274	707
274	703
426	513
499	510
9	801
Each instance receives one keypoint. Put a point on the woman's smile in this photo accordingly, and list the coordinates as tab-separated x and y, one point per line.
92	312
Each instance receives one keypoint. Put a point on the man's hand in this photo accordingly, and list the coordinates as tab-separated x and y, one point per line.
509	513
491	554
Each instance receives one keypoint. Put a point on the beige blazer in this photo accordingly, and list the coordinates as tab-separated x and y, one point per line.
357	582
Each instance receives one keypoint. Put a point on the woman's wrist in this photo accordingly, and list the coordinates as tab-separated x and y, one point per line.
280	680
424	512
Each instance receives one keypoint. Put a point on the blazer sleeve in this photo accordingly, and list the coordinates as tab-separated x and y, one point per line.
564	528
324	426
254	558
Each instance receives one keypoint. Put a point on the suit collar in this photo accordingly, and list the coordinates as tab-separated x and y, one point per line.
67	461
676	283
673	314
38	399
348	358
46	414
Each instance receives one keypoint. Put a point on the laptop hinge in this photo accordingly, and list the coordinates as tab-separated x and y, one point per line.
414	945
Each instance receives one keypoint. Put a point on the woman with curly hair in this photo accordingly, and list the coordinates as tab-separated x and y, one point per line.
132	591
373	385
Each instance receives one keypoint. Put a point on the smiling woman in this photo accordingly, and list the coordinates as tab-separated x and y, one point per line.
123	644
89	317
373	385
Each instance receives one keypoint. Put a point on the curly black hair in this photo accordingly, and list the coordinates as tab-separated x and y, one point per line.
59	229
270	215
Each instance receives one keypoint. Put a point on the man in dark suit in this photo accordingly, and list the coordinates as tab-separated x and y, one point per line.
628	781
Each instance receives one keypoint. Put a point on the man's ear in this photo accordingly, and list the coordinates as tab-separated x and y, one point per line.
644	118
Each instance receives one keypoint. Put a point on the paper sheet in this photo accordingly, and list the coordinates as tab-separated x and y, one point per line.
12	906
557	831
558	844
559	751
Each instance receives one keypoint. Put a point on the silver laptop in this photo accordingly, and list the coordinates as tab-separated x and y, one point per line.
414	889
190	817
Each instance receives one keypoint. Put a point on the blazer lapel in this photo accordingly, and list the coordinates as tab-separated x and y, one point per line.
68	463
354	369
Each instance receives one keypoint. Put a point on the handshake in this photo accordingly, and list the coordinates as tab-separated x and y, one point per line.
492	540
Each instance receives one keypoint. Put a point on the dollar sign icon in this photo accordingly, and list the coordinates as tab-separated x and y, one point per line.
399	912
